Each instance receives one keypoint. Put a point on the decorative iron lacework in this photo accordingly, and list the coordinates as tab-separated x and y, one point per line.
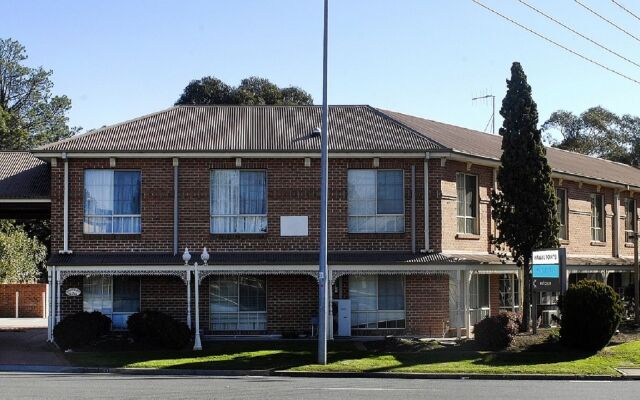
180	274
206	273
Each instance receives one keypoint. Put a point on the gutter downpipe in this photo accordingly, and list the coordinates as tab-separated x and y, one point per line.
427	249
65	245
175	208
413	209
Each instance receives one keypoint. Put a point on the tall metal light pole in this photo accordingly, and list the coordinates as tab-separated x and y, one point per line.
324	168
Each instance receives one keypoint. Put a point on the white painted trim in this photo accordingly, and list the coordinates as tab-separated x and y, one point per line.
25	201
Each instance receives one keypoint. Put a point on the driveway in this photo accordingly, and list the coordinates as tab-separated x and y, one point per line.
22	344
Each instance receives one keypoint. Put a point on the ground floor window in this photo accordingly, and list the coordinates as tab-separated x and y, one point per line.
509	289
479	297
622	283
238	303
377	302
117	297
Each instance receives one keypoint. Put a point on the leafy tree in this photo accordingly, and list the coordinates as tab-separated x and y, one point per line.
30	115
597	132
208	90
524	207
20	255
251	91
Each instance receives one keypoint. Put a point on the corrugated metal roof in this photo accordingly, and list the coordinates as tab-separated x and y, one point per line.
22	176
490	146
250	129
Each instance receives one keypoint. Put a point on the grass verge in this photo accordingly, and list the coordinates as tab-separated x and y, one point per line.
347	357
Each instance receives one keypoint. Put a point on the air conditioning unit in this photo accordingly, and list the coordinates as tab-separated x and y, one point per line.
547	318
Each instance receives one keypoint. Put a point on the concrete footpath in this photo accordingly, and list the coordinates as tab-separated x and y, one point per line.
21	345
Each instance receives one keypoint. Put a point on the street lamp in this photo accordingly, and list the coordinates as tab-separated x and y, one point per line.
186	256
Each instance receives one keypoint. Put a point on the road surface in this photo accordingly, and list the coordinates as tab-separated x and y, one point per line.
106	386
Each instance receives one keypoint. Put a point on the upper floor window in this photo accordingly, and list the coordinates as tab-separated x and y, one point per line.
561	194
630	219
467	189
238	201
111	201
597	218
376	201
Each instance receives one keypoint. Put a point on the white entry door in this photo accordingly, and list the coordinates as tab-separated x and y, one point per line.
344	317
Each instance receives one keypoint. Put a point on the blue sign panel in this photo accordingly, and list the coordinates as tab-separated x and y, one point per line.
546	271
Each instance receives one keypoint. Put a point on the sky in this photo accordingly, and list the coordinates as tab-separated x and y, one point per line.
119	59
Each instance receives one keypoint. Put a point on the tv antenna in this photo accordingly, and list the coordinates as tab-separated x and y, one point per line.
492	120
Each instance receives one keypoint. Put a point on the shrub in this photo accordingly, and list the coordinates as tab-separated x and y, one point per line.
497	332
80	329
590	314
158	329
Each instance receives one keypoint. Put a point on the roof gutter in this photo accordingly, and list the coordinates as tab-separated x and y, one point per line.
230	154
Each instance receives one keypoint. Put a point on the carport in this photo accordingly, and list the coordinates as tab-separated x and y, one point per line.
25	186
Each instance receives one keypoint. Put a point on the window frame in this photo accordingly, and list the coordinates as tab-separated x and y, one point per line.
376	215
565	209
378	310
112	283
480	312
238	313
601	229
266	201
112	216
628	234
515	282
476	208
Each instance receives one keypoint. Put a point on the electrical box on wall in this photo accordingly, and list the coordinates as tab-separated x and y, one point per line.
294	226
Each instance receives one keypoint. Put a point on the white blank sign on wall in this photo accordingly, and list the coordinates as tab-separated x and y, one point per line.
294	226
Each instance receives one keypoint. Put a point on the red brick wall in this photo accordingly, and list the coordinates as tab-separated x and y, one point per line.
70	304
451	241
292	190
167	294
292	300
30	300
494	294
427	304
157	208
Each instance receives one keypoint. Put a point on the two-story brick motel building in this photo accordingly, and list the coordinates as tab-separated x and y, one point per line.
409	220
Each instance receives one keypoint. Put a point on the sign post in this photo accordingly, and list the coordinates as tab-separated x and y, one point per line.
548	275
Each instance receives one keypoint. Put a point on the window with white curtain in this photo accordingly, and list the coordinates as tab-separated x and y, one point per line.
238	201
597	218
111	201
377	301
238	303
117	297
376	201
467	192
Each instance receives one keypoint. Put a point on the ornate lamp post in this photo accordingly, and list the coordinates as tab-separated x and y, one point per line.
186	256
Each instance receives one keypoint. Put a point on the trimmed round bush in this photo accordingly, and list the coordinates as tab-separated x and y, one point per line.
156	328
80	329
497	332
590	314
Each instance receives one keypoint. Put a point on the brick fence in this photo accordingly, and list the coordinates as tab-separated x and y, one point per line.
31	300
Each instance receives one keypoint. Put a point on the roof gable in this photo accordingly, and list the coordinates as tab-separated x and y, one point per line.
22	176
489	146
250	129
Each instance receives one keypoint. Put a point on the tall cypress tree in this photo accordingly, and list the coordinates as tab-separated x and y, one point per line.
524	207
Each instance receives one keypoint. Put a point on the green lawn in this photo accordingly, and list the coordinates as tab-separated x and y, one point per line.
345	357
